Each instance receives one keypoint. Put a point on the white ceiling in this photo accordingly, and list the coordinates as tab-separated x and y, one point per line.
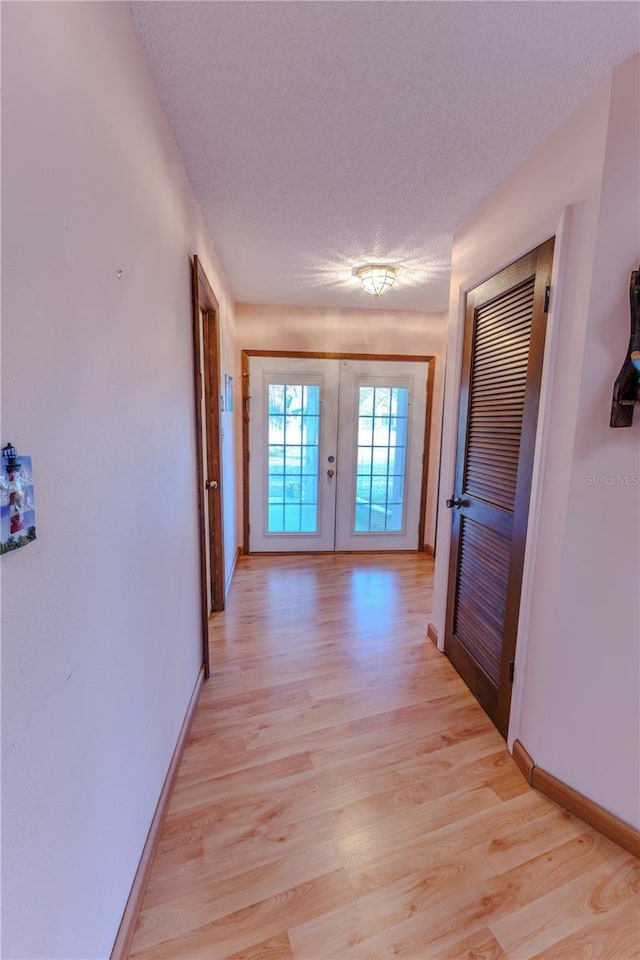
319	136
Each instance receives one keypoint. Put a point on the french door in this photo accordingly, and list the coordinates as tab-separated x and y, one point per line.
335	453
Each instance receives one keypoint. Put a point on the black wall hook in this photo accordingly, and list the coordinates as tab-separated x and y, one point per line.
626	390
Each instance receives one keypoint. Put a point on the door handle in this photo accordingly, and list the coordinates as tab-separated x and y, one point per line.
454	502
211	485
330	473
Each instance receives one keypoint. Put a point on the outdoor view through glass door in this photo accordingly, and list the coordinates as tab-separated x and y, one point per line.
335	453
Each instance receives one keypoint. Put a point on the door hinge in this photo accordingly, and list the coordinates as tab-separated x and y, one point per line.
547	297
512	667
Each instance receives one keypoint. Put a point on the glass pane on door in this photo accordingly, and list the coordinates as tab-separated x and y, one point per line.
294	431
381	459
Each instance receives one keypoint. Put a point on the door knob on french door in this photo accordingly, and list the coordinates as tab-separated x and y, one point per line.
211	484
330	473
454	502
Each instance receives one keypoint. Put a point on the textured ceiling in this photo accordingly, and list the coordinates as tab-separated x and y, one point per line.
319	136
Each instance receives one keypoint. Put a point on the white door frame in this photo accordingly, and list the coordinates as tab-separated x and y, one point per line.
299	354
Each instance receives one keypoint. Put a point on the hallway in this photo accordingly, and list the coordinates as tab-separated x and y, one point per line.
342	795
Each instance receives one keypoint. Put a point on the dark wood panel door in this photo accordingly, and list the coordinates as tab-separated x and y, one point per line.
206	353
505	329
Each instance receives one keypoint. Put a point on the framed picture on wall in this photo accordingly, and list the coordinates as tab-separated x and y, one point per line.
17	507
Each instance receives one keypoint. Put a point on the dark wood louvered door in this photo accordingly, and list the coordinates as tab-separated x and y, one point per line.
501	373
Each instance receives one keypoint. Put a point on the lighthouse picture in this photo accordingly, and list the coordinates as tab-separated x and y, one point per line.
17	504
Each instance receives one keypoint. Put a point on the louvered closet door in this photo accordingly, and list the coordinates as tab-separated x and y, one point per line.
502	367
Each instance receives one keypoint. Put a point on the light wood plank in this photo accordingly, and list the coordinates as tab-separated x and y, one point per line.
481	945
539	925
609	937
276	948
202	897
341	931
342	795
245	928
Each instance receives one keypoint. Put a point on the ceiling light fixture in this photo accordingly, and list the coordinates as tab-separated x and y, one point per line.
376	278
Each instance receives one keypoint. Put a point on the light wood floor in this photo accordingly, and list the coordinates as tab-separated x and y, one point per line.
343	796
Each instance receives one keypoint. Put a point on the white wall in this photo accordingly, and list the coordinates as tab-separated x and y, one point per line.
595	745
333	330
576	697
101	627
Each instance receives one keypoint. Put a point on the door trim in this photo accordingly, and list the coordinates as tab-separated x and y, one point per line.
204	301
318	355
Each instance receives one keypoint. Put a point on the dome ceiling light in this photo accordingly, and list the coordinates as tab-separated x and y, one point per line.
377	278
